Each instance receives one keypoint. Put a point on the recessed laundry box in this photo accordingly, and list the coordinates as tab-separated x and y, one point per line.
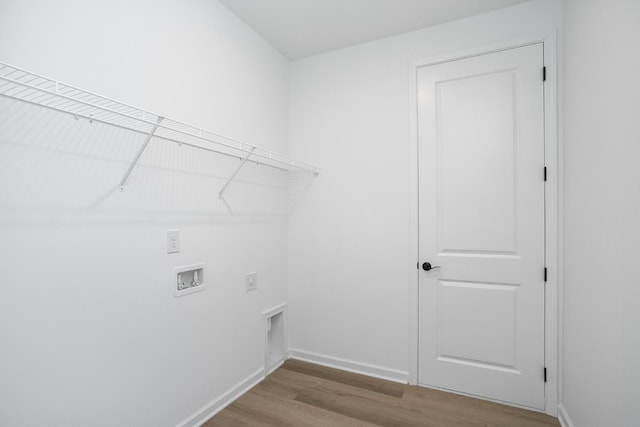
188	279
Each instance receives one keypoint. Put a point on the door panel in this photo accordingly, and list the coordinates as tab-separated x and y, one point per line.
476	215
463	338
481	213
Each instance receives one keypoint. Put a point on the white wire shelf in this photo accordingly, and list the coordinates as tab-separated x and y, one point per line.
25	86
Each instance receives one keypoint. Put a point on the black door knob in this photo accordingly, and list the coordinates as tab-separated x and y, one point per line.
427	266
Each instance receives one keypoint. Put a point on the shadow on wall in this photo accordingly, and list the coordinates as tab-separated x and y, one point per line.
55	168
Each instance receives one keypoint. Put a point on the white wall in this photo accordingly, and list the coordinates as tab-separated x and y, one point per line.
90	332
601	212
349	253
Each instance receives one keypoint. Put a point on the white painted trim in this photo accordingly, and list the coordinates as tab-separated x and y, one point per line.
557	276
206	412
483	50
563	417
552	225
553	211
277	365
350	366
275	310
414	230
267	315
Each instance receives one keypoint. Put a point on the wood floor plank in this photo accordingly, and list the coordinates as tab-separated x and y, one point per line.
303	394
278	411
296	383
292	382
475	409
231	417
363	409
424	403
343	377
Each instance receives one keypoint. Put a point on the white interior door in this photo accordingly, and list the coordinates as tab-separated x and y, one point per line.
481	219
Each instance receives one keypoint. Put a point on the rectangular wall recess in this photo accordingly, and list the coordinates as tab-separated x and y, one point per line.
275	338
188	279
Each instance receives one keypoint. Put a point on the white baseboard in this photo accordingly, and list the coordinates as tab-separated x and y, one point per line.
563	417
217	405
270	371
350	366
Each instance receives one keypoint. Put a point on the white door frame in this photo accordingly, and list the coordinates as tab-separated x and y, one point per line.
552	207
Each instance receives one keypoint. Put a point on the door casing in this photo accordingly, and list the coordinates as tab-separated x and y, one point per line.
552	208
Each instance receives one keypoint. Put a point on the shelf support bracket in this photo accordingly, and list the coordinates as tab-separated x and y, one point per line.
233	175
123	181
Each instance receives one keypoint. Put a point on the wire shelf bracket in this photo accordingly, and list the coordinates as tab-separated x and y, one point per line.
123	181
233	175
34	89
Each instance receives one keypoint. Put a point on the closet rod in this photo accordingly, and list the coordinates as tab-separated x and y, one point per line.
46	96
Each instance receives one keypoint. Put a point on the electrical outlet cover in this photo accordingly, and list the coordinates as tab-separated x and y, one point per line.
173	241
251	280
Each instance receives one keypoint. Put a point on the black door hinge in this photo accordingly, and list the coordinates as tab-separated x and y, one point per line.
545	375
544	74
545	173
545	274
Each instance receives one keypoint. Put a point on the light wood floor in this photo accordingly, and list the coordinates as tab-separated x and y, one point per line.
303	394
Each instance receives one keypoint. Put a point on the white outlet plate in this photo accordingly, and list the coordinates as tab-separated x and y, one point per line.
251	280
173	241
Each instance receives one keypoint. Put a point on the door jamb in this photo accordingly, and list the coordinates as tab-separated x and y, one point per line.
553	295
